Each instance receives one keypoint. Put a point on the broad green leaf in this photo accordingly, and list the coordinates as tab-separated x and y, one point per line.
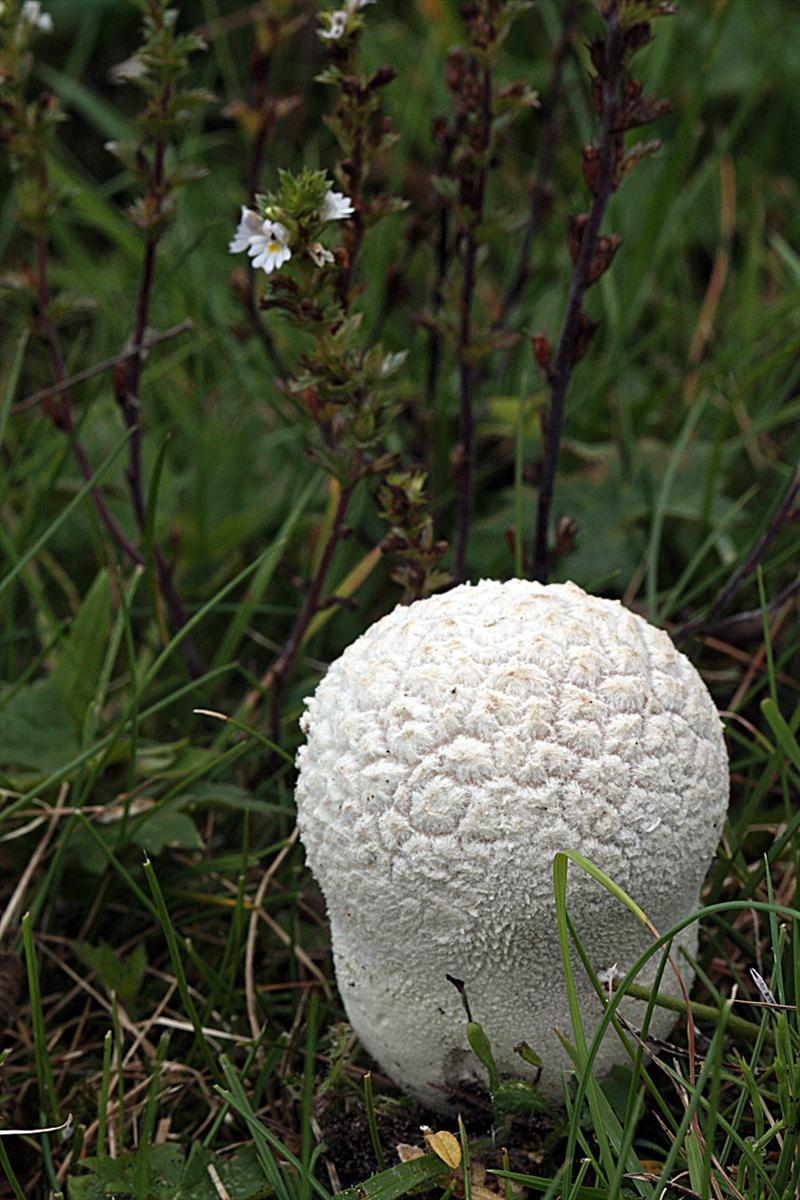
81	661
241	1176
165	827
116	1175
37	733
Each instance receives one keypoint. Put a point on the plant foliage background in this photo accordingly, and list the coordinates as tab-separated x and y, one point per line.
268	481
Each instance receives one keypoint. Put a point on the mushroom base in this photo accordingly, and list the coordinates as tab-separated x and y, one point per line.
417	1032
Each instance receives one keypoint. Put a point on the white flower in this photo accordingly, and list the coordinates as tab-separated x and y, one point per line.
32	15
392	361
319	254
250	226
337	26
339	18
336	206
270	248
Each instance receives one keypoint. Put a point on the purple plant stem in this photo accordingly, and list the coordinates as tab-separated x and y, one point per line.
561	371
744	626
130	404
783	513
466	370
554	120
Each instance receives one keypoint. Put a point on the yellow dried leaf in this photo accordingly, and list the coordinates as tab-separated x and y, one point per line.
445	1145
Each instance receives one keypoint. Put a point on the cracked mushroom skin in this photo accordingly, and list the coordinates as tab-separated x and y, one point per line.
451	751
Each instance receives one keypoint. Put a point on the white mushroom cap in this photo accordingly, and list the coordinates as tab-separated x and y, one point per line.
451	751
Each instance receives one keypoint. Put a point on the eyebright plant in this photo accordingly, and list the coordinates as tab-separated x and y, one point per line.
291	221
349	385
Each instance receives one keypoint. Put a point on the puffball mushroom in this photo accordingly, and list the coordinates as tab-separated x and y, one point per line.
451	751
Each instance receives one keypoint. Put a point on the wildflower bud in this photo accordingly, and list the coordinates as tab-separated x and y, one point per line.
633	156
439	128
604	256
380	78
590	161
575	227
121	378
566	532
542	351
637	109
635	37
455	70
586	331
458	460
510	535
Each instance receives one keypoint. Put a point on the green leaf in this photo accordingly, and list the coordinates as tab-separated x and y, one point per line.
115	1176
78	671
517	1096
172	1178
482	1049
241	1176
121	975
37	733
398	1181
165	827
783	734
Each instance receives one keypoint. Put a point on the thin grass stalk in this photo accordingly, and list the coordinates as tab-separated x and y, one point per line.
103	1097
119	1047
177	966
48	1099
369	1105
8	1171
142	1174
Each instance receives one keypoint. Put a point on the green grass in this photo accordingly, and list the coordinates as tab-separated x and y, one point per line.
181	1009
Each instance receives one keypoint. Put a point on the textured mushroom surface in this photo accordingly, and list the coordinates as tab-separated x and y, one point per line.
451	751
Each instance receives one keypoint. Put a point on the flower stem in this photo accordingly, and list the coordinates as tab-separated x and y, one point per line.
466	369
560	373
